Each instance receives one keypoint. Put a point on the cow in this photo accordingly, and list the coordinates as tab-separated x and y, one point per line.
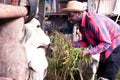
13	59
35	42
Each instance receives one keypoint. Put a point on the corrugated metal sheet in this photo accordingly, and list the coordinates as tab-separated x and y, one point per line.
106	6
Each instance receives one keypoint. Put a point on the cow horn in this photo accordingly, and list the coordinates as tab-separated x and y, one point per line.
31	10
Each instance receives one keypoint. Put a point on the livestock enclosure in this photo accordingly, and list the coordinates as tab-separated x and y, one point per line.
65	62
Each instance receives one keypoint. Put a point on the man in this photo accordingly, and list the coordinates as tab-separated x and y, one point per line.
102	33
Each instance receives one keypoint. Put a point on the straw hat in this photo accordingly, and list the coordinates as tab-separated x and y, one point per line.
74	6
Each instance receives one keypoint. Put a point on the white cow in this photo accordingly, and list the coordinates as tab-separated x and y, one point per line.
33	39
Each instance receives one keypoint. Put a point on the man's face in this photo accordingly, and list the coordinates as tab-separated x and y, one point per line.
75	16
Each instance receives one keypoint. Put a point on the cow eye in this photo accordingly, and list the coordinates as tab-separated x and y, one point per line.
38	26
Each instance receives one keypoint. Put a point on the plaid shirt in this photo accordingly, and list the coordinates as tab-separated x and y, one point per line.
100	32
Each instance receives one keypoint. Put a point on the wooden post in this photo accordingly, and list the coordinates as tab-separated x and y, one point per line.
5	1
15	2
91	6
41	12
10	11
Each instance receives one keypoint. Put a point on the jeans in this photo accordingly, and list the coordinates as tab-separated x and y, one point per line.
110	67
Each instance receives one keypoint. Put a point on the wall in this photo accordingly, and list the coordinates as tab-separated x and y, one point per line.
103	7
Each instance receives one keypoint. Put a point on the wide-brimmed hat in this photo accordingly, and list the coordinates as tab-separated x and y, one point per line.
74	6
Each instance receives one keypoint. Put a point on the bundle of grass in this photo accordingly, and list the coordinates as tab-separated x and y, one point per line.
118	75
66	62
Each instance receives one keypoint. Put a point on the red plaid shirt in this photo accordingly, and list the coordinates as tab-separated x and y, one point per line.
100	32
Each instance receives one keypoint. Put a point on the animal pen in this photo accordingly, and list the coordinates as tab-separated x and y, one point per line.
13	61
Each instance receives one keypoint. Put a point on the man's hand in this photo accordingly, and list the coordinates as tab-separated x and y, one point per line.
86	52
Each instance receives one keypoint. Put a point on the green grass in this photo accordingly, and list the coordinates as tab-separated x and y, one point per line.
66	60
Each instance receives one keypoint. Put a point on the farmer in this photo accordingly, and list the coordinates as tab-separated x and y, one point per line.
102	33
